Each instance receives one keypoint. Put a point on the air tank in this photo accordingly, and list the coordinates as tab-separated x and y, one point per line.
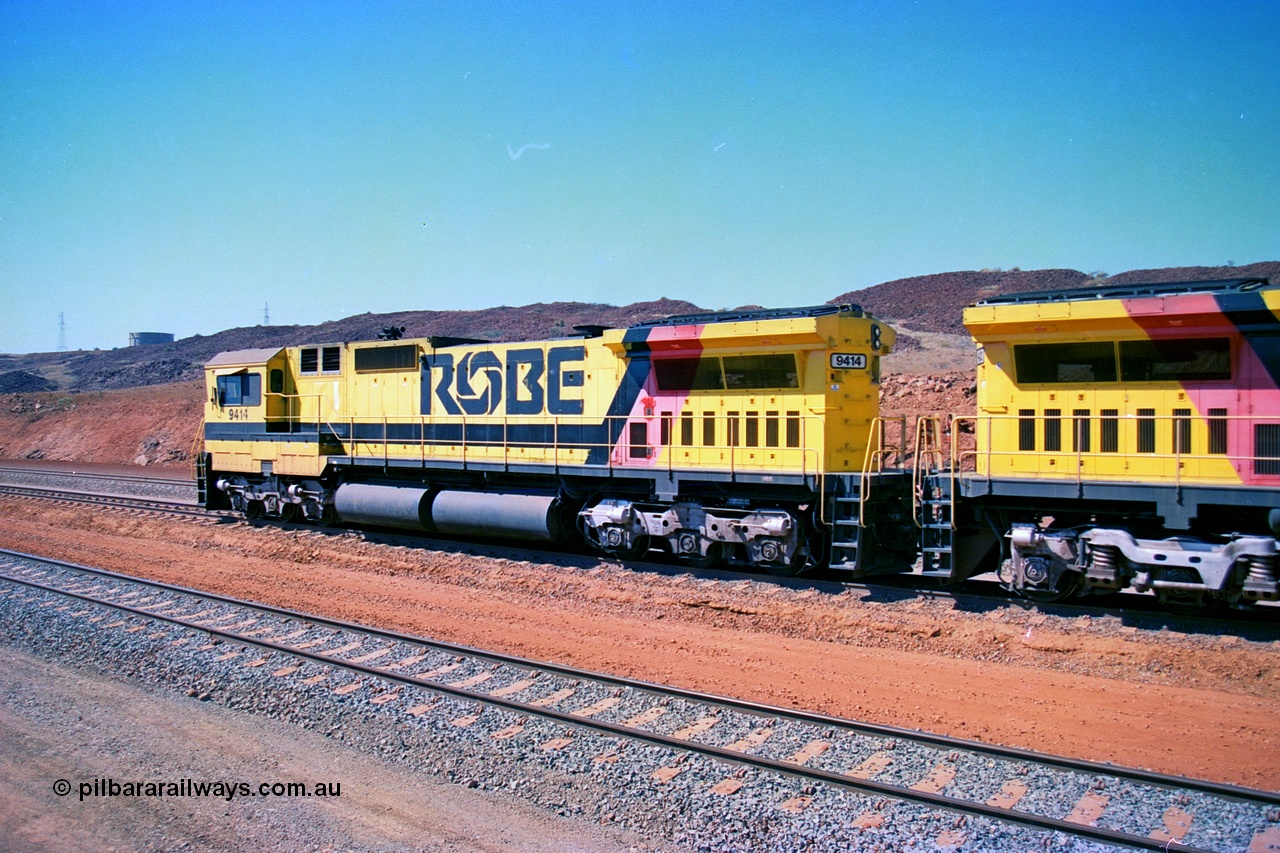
385	506
463	513
494	514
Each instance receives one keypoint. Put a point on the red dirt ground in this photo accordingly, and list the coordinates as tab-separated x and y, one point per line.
1202	706
136	426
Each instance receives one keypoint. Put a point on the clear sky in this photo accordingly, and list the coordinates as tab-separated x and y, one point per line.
173	166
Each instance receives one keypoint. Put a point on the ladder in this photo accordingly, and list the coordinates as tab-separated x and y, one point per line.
937	533
931	496
852	497
846	523
201	461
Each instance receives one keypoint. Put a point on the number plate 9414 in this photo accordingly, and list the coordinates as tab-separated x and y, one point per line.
848	361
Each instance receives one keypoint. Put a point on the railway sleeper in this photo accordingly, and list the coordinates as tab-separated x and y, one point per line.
1184	573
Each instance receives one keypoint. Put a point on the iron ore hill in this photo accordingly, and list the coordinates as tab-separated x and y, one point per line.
926	304
949	292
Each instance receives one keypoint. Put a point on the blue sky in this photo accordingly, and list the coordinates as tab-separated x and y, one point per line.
171	167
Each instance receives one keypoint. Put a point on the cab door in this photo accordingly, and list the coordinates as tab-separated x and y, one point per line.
278	399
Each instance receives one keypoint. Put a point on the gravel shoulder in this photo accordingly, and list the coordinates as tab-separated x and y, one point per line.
1092	688
62	723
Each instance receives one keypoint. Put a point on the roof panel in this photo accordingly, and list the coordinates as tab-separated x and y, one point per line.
235	358
749	315
1129	291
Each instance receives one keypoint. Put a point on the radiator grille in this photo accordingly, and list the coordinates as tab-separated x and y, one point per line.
1266	449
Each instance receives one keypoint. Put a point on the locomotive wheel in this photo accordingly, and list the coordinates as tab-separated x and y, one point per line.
704	561
788	570
253	509
1068	585
636	551
290	512
1185	602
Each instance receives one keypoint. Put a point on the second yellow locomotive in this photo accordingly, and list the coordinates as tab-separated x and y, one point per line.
1126	436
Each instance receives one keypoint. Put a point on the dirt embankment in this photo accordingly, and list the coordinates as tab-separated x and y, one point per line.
156	425
943	394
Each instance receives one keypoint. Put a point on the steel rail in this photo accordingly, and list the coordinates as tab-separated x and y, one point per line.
91	497
792	769
128	478
155	505
1142	606
118	501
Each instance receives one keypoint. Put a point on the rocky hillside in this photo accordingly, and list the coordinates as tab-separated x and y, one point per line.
17	381
1266	269
930	371
134	426
928	305
130	367
949	292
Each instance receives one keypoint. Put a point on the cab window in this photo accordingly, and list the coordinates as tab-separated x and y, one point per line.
1177	360
733	373
240	389
1065	363
688	374
755	372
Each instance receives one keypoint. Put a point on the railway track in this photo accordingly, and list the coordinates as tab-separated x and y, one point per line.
1102	803
9	471
112	501
1262	617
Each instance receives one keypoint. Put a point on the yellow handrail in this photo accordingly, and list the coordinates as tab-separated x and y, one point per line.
928	446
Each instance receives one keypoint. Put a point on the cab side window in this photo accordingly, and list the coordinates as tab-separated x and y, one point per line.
240	389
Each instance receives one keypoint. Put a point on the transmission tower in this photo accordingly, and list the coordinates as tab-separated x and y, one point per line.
62	332
266	314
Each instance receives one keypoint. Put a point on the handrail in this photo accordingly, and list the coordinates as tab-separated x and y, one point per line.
1166	458
807	455
197	453
290	417
877	451
928	446
806	458
878	447
875	436
955	468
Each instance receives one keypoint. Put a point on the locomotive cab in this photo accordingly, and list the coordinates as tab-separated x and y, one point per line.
243	402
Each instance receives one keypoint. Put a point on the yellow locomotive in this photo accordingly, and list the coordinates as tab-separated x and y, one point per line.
1125	436
742	435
